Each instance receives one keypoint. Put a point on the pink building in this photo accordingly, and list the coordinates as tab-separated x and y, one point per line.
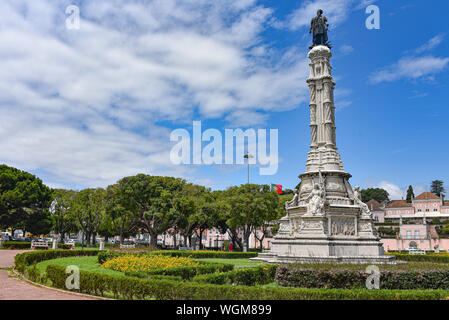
427	205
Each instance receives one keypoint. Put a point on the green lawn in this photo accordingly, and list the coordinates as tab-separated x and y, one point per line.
236	262
84	263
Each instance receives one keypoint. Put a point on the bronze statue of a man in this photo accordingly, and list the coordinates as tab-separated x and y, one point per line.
319	27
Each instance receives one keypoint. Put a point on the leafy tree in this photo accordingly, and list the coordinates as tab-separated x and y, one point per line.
437	187
249	205
88	208
63	221
152	198
378	194
24	200
266	222
208	215
38	222
186	207
121	217
410	194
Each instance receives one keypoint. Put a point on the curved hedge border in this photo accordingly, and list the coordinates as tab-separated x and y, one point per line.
259	275
299	276
130	288
23	260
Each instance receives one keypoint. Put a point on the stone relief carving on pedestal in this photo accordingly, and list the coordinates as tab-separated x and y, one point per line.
342	227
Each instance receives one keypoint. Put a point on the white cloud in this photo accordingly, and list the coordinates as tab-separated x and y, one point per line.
393	190
84	107
429	45
346	49
411	68
396	192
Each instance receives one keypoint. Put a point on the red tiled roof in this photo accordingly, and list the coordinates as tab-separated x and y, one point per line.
398	204
426	196
374	205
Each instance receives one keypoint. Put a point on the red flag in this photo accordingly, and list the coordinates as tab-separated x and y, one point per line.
277	188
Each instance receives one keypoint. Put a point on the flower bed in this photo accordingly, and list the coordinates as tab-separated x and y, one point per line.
146	263
106	255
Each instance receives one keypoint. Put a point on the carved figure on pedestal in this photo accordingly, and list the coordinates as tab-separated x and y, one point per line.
316	199
294	201
358	202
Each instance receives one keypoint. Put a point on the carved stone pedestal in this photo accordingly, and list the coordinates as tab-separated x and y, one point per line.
326	220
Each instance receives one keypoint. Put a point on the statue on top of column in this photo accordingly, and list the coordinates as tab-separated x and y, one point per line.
319	27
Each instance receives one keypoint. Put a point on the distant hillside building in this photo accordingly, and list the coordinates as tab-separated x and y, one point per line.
412	221
426	205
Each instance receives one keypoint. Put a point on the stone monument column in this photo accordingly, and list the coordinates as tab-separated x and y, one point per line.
326	220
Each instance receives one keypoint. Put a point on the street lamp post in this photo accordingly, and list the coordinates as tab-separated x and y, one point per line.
248	156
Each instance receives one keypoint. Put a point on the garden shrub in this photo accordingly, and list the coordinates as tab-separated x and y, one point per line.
186	273
64	246
204	254
135	288
16	245
306	277
259	275
432	257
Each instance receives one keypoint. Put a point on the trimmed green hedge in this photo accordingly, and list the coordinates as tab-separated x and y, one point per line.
433	257
186	273
260	275
16	245
206	254
23	260
299	276
130	288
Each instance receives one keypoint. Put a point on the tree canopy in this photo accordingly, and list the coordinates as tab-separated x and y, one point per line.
24	201
437	187
410	194
378	194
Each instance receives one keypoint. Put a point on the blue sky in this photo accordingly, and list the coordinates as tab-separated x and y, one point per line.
83	108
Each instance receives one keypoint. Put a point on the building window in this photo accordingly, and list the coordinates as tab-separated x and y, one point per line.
419	209
409	234
416	233
389	212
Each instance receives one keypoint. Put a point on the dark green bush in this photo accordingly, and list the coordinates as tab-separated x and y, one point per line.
186	273
206	254
33	273
16	245
64	246
298	276
131	288
26	259
433	257
260	275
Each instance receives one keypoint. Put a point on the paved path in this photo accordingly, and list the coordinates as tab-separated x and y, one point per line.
12	288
